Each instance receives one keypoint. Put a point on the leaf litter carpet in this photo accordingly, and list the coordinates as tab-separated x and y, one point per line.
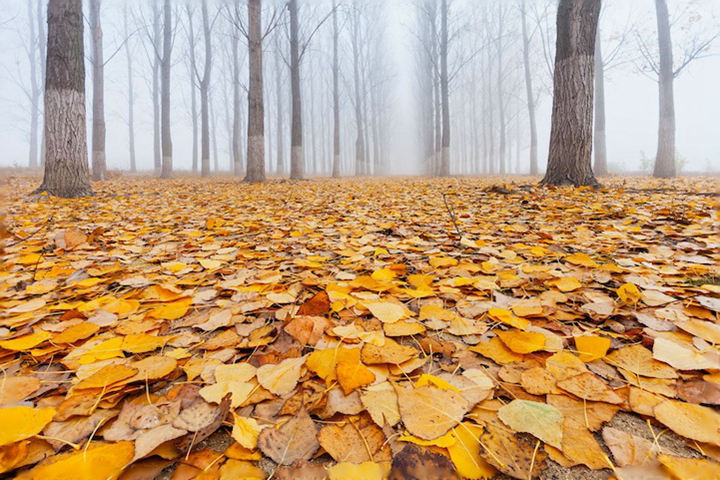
361	329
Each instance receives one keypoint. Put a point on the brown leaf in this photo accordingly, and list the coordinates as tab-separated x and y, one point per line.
415	463
428	412
294	440
356	441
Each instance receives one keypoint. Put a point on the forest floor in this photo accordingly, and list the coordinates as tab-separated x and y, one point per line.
360	329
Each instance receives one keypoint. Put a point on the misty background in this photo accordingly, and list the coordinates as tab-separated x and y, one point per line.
392	26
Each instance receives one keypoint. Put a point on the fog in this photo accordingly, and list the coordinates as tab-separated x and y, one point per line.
391	66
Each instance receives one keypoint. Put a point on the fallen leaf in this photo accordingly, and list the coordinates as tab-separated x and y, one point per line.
428	411
539	419
280	378
294	440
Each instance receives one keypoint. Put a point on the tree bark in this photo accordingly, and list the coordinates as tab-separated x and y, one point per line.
336	97
529	92
665	157
360	134
569	160
279	128
297	163
600	166
131	94
256	107
156	93
66	168
205	95
99	167
444	90
167	165
35	88
236	130
193	93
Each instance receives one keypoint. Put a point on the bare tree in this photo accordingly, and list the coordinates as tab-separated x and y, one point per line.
256	106
336	96
35	89
99	167
569	161
662	65
167	165
529	90
444	89
192	68
66	169
131	93
297	163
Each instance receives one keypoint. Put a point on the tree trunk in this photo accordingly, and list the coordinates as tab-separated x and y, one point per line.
600	166
360	134
193	93
156	93
131	94
665	157
205	96
99	168
256	107
35	89
42	47
297	163
336	96
500	95
167	165
236	131
569	160
279	128
444	90
66	168
529	92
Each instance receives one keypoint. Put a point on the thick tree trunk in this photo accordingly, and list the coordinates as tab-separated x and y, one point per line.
336	97
99	168
665	157
66	168
569	160
256	107
131	94
529	92
600	166
444	90
297	163
167	165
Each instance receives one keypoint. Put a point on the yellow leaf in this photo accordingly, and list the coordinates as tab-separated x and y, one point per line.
280	378
566	284
629	293
30	306
581	259
356	471
76	332
171	311
209	264
101	461
539	419
465	452
443	441
592	347
522	342
233	379
440	262
690	468
427	379
324	362
352	376
19	423
496	350
387	312
507	317
245	431
108	349
26	342
142	342
383	274
107	376
240	470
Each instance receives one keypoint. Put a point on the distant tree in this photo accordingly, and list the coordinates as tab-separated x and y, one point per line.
297	163
99	166
529	91
131	93
256	105
167	161
66	168
569	160
661	63
336	96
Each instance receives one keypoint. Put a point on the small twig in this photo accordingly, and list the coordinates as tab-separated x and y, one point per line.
452	215
41	227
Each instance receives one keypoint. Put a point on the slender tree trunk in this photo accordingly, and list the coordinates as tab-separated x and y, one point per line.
256	107
336	96
502	154
34	89
66	168
437	94
131	94
156	92
205	96
665	157
42	47
360	134
297	163
600	141
279	128
529	92
99	168
569	160
193	93
444	89
237	104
